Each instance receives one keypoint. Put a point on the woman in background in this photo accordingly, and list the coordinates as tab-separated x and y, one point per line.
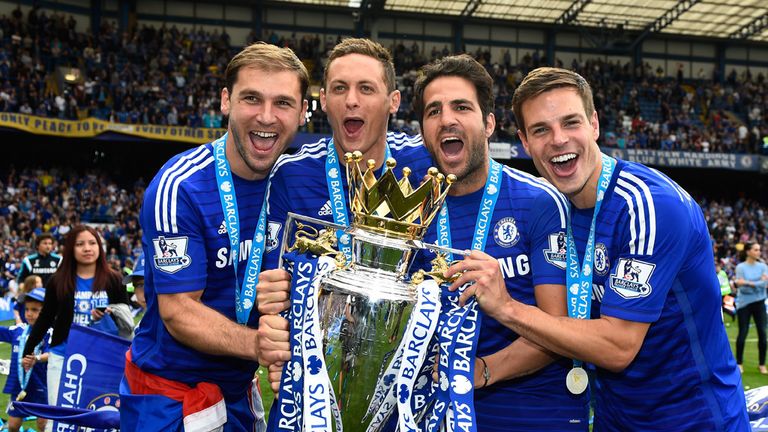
79	292
751	283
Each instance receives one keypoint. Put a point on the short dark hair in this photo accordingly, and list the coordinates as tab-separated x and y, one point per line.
463	66
44	236
544	79
267	57
368	48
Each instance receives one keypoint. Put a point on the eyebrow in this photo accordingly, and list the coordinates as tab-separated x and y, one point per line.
433	105
453	102
345	82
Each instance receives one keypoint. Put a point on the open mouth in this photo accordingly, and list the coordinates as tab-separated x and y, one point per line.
563	164
353	125
263	141
451	146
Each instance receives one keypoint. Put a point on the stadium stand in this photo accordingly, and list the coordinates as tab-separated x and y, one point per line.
171	76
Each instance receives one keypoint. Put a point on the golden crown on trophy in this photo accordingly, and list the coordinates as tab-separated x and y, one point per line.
390	206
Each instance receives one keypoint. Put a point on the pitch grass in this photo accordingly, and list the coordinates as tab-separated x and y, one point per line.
751	378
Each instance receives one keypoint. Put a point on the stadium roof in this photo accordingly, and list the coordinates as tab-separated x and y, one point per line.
730	19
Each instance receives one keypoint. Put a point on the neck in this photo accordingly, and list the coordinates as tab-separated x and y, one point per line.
236	163
751	260
86	271
472	182
376	152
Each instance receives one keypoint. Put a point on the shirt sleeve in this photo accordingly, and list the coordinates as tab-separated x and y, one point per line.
762	283
174	237
547	219
739	272
653	235
26	270
6	335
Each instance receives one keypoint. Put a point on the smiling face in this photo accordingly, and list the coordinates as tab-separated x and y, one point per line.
358	104
455	133
562	141
86	249
265	110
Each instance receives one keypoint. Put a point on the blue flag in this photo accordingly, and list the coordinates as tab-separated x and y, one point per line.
90	379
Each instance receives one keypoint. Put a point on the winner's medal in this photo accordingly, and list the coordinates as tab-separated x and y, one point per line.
22	394
577	380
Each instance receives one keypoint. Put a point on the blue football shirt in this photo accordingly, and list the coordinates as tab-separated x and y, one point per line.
186	246
654	264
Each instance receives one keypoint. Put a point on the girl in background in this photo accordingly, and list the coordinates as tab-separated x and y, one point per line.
79	292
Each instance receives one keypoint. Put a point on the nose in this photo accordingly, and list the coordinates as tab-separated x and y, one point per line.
559	136
352	100
447	118
267	115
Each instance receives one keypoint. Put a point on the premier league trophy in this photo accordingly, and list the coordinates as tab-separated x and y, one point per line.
360	333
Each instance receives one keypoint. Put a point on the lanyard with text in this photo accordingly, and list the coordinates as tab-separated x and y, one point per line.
245	295
24	375
333	176
579	278
484	214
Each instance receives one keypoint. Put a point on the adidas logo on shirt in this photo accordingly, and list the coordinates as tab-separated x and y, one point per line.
325	210
222	228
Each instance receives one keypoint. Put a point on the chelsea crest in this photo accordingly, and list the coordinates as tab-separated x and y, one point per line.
601	259
505	232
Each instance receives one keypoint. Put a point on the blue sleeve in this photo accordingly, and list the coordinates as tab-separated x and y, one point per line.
762	283
739	273
6	334
651	254
277	213
546	224
179	227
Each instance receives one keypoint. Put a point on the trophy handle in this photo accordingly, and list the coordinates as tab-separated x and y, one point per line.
292	219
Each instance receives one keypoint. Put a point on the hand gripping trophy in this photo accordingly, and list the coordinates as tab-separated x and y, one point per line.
360	327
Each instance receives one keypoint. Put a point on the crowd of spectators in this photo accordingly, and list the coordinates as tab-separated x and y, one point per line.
732	224
638	108
33	201
171	76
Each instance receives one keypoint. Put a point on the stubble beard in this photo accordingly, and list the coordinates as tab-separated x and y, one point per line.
240	147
